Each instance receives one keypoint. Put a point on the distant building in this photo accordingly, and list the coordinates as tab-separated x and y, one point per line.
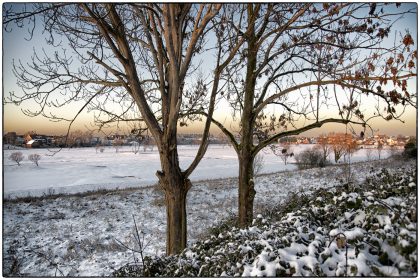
20	140
95	141
33	144
10	138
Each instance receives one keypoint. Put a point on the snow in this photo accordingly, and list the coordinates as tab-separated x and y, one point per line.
83	169
81	233
360	262
359	218
383	220
389	271
350	234
393	201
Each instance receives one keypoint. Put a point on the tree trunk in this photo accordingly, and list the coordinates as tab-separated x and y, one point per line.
246	190
246	159
176	187
176	231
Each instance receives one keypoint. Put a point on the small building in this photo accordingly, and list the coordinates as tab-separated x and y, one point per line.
33	144
10	138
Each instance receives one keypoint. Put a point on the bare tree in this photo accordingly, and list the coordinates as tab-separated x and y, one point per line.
135	147
147	143
324	145
78	138
283	151
379	148
16	157
350	147
117	143
134	55
338	145
309	61
35	158
368	153
258	164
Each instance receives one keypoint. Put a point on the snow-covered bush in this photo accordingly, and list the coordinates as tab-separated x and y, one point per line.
17	157
311	158
35	158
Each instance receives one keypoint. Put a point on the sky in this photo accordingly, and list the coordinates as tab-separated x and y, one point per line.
16	47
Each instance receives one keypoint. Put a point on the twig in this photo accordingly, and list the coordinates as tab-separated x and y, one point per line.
386	205
334	237
140	241
50	260
125	246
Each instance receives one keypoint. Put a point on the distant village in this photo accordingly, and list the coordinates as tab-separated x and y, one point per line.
85	139
376	140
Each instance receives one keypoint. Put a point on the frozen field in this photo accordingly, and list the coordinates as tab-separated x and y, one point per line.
77	236
83	169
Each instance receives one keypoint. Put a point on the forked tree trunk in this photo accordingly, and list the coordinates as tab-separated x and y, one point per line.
176	187
246	190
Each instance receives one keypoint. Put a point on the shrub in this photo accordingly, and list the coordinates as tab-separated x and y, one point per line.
35	158
410	150
17	157
310	158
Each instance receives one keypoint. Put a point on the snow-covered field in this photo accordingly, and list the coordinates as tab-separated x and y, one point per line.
83	169
77	236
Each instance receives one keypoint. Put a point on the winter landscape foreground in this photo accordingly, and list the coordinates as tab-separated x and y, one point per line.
90	234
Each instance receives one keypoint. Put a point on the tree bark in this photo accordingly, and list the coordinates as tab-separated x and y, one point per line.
246	172
176	230
175	185
246	189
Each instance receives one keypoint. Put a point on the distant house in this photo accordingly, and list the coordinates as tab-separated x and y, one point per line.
27	138
10	138
33	144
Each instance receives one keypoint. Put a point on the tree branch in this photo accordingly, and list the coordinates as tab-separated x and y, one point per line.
298	131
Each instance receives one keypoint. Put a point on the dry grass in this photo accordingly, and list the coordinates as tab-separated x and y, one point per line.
93	194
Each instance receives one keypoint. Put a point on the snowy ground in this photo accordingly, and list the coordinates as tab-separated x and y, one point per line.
78	170
367	229
76	236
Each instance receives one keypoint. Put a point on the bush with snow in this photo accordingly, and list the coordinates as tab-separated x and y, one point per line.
16	157
365	230
35	158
